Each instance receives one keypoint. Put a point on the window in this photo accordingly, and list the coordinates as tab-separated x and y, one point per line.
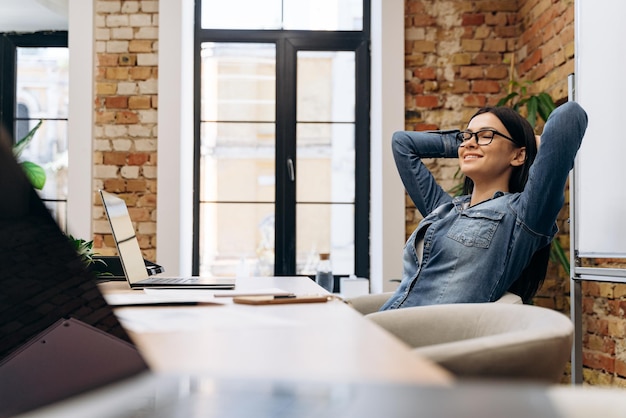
38	91
282	138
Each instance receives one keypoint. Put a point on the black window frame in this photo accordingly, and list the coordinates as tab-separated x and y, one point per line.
286	42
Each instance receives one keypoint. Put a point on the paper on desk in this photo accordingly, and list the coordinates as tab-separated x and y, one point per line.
140	298
201	293
184	295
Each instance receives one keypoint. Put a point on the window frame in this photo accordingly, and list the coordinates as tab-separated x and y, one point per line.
288	42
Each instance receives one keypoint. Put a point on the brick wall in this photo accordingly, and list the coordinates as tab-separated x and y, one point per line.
126	116
459	56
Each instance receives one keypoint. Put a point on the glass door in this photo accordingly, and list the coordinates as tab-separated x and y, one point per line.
282	140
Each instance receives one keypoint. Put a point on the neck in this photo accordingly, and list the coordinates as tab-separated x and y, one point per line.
484	192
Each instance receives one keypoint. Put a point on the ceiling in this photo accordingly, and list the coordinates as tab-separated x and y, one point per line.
33	15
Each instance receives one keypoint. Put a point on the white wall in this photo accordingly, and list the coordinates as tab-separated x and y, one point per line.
80	117
175	137
387	116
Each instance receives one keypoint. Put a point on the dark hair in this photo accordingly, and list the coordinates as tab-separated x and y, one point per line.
533	275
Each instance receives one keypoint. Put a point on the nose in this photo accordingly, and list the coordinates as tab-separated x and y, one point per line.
470	143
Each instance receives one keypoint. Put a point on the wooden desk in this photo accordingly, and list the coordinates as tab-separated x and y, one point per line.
316	342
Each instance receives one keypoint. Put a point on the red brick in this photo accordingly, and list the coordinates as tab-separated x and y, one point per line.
497	73
599	361
136	186
488	58
426	127
460	86
472	19
533	59
423	20
496	19
620	367
137	158
474	100
595	325
115	185
497	6
485	86
427	101
116	102
472	72
494	45
114	158
425	73
505	31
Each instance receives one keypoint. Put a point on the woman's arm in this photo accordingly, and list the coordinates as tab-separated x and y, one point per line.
544	192
408	150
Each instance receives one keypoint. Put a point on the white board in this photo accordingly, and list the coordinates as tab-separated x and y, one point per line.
600	87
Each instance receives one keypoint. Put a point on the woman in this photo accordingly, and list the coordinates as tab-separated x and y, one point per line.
496	237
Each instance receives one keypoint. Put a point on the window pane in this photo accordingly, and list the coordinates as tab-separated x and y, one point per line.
325	163
241	14
42	94
42	82
286	14
237	162
325	228
323	14
238	82
237	239
326	86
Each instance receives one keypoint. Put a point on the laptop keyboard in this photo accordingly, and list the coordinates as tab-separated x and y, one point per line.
170	280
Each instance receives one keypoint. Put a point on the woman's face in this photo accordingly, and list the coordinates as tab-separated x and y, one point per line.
489	162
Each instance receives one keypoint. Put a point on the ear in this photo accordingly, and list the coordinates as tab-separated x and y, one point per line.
519	157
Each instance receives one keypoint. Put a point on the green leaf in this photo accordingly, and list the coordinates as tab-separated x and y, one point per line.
546	105
557	255
35	173
532	106
503	101
19	147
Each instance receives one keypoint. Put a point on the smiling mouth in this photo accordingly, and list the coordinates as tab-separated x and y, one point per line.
471	157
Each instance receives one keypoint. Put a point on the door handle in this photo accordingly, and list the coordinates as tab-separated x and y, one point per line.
290	169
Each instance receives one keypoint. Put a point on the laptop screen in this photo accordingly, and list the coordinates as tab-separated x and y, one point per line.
125	238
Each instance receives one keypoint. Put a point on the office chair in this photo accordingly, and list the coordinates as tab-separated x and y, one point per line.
486	340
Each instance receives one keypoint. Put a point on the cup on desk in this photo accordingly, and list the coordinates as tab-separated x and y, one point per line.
350	287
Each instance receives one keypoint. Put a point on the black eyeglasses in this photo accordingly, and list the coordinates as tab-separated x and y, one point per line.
483	136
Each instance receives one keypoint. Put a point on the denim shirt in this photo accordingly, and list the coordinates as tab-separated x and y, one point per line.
474	254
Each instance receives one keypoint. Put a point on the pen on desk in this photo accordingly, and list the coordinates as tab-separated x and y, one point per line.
291	295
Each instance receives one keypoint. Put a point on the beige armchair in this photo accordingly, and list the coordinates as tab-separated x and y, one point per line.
486	340
367	304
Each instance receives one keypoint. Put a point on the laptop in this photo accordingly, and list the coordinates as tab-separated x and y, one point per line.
54	323
132	260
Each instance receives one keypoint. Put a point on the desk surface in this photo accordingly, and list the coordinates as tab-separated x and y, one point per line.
313	341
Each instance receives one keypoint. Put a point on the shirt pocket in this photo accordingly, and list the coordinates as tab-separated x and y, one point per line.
475	228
